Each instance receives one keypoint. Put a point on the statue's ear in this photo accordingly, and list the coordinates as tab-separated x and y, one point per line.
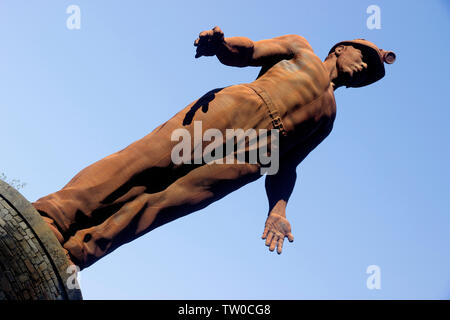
338	50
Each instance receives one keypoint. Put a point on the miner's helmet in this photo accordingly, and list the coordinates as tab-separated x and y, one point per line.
373	56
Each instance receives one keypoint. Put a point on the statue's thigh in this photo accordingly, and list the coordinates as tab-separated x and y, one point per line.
211	182
201	187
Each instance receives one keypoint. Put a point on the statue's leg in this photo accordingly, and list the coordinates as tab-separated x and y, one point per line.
100	189
194	191
131	187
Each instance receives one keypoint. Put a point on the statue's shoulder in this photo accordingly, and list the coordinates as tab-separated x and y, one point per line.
298	43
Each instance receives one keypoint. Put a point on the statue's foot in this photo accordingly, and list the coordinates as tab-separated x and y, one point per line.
69	257
55	230
75	249
59	236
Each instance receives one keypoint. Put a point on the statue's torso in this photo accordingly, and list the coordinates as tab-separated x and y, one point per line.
300	88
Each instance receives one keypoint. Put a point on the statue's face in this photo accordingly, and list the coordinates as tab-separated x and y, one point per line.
351	66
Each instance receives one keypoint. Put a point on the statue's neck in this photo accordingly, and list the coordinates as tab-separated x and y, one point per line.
330	65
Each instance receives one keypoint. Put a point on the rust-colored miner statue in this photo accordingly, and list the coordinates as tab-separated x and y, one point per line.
141	187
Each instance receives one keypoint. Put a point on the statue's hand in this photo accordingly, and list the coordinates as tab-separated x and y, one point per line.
276	229
208	42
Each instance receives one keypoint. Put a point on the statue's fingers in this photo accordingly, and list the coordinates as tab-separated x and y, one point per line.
205	34
204	49
280	245
201	41
274	243
290	237
217	29
266	230
217	33
198	54
201	51
269	238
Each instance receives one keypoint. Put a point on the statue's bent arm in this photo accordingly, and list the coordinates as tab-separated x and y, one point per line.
243	52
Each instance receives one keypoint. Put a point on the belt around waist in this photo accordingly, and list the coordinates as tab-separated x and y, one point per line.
273	112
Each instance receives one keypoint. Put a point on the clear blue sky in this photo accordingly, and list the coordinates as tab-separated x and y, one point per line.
376	191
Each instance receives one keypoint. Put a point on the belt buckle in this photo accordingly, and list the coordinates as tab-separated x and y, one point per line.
277	122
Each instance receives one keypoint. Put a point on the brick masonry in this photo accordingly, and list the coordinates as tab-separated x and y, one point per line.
25	270
33	265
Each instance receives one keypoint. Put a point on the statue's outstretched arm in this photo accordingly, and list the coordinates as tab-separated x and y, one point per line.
279	188
243	52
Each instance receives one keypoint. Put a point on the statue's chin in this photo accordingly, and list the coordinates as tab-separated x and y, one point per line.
355	79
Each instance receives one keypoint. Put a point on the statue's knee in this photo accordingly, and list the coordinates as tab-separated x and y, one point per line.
175	191
182	192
